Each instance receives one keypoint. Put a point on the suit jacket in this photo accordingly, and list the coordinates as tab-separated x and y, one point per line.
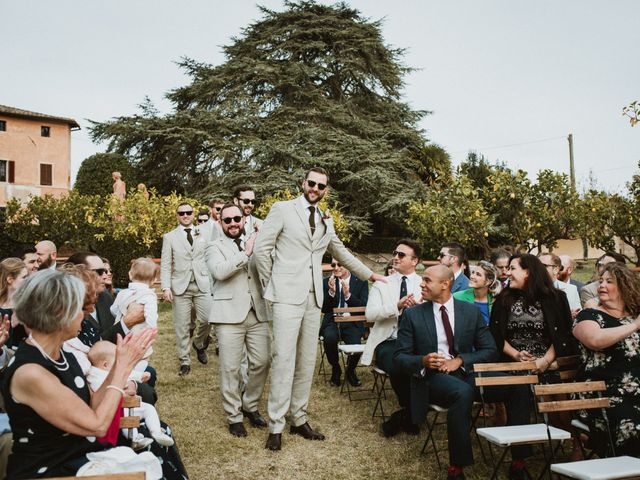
180	261
382	311
106	323
359	294
214	230
589	291
417	337
460	283
285	251
577	283
571	292
236	289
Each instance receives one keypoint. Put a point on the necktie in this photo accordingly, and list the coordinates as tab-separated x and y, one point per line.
312	219
447	329
403	287
339	293
237	242
189	237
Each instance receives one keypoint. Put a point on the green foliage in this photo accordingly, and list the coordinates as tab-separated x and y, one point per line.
342	225
311	85
94	175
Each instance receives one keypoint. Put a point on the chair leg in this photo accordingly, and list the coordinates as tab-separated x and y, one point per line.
430	438
498	464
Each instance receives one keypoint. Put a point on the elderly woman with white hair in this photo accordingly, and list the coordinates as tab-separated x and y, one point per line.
54	419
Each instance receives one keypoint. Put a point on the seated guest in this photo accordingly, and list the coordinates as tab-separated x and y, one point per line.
108	281
47	254
29	255
609	340
590	290
386	303
500	259
342	289
53	437
484	284
438	343
452	255
568	266
13	271
531	319
553	264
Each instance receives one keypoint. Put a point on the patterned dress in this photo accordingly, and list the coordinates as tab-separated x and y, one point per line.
526	328
619	366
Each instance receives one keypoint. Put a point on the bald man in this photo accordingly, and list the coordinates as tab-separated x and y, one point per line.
47	254
438	343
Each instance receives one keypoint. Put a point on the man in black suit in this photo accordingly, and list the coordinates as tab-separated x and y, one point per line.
342	289
438	343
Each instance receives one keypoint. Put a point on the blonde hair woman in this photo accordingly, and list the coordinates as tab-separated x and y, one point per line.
13	271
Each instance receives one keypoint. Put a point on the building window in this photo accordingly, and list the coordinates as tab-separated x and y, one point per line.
46	174
45	131
3	125
7	171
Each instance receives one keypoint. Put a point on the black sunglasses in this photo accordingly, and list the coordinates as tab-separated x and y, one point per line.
400	255
202	220
99	271
247	201
188	212
321	186
217	209
228	220
335	264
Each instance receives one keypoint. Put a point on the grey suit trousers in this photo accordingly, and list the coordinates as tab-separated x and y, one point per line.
182	305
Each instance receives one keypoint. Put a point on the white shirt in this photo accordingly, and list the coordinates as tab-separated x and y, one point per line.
572	293
339	289
305	205
413	286
184	231
443	345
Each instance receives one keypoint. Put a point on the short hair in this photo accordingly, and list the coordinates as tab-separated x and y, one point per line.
388	267
497	254
144	270
203	212
319	170
628	285
116	174
9	268
457	250
229	205
215	201
49	244
242	188
91	282
100	351
413	245
105	260
48	301
80	258
21	251
616	256
182	204
554	258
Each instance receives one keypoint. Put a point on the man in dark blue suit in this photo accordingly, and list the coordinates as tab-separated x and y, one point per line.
342	289
438	343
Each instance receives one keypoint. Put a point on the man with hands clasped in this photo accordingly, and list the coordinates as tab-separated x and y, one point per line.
438	343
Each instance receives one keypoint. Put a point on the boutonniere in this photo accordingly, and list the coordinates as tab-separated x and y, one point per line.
326	216
196	231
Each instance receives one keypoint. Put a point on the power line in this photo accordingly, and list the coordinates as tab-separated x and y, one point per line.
513	144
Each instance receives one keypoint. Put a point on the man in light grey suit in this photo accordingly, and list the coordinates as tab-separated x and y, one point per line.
185	282
288	255
245	198
240	315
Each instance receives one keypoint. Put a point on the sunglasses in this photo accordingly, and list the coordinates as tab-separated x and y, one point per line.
442	255
187	212
335	264
228	220
321	186
399	254
202	220
247	201
217	209
100	271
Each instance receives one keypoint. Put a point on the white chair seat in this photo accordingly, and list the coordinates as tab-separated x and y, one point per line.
437	408
579	425
351	349
515	434
378	370
600	468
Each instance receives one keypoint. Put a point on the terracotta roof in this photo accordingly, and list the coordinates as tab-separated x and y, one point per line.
18	112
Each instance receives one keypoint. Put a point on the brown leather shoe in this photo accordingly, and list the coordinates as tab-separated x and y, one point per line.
307	432
274	442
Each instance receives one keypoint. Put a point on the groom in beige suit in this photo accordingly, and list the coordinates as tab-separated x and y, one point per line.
185	282
288	255
240	315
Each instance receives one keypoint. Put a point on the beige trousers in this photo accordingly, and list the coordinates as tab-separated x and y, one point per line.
182	304
252	337
295	342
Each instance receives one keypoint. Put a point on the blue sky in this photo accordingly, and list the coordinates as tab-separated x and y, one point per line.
507	78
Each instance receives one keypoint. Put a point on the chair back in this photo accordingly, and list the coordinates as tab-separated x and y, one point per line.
130	421
567	367
356	314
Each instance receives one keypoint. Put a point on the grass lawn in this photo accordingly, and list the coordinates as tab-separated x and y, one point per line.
353	449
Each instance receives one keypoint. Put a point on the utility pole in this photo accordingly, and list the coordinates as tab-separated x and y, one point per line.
572	171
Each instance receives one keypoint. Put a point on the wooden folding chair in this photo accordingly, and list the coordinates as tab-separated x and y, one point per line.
130	421
380	378
513	435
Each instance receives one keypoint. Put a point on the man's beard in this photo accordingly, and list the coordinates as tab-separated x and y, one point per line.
306	195
238	235
46	264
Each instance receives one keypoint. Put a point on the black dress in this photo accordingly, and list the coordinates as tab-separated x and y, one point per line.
40	449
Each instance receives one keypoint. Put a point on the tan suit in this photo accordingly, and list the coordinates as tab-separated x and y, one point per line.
382	311
183	270
288	258
241	318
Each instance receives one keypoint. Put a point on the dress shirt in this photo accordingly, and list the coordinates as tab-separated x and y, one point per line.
339	290
305	206
396	282
184	231
443	345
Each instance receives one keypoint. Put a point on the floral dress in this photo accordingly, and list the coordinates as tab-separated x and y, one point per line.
619	366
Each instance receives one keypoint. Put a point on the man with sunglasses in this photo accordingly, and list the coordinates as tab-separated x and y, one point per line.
245	198
185	283
213	224
342	289
241	318
452	255
288	252
387	302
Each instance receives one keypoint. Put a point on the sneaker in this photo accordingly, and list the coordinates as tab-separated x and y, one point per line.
163	439
142	443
